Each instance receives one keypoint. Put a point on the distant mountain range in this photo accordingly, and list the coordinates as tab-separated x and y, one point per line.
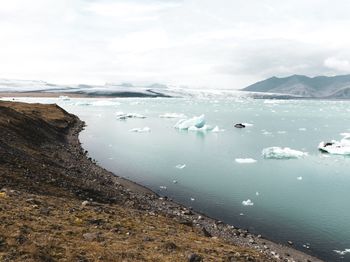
335	87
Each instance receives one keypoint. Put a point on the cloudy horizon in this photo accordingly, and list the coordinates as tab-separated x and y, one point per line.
214	44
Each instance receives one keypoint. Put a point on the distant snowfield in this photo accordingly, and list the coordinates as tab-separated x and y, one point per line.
127	90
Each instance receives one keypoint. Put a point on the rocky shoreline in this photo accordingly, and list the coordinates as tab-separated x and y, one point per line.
42	161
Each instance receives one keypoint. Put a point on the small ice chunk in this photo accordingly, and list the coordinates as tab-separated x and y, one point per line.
257	193
282	153
300	178
180	166
172	115
245	160
247	124
163	187
247	202
302	129
192	199
123	116
141	130
241	214
197	121
342	252
216	129
174	181
281	132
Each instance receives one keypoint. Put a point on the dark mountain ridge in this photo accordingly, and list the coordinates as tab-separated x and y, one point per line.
304	86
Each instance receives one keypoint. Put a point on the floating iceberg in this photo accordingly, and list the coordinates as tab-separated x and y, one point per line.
342	252
334	147
300	178
282	153
123	116
185	124
216	129
245	160
141	130
205	128
247	203
172	115
179	166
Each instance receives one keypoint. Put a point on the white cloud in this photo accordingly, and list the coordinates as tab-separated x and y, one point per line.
221	43
337	64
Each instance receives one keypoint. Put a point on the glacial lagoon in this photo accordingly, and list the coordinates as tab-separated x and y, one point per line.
223	172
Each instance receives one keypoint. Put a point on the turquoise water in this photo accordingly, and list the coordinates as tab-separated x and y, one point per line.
312	212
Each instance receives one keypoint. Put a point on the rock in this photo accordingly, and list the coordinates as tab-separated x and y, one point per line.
239	125
194	258
85	203
290	242
33	201
169	246
205	232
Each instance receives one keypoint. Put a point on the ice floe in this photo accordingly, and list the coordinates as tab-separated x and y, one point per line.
247	202
163	187
282	153
197	122
216	129
342	252
172	115
141	130
123	116
180	166
334	147
245	160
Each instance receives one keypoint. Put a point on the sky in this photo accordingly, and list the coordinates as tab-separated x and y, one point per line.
196	43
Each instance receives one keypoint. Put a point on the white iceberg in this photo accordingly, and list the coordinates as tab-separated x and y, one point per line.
204	128
172	115
300	178
179	166
197	121
216	129
123	116
141	130
342	252
334	147
245	160
247	202
282	153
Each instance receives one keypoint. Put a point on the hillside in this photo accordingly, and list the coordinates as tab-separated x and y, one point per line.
304	86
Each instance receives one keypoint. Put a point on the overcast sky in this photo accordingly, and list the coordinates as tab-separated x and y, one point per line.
200	43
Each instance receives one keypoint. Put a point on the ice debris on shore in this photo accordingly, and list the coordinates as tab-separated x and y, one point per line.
342	252
282	153
334	147
172	115
247	202
123	116
141	130
180	166
245	160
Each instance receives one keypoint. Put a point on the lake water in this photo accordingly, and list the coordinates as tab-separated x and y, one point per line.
303	200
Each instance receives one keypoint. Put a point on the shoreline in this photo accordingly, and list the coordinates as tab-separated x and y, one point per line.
102	186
